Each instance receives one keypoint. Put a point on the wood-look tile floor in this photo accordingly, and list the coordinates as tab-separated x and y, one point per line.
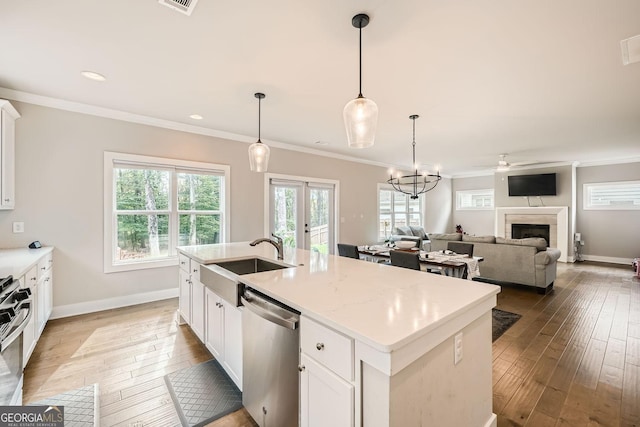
573	359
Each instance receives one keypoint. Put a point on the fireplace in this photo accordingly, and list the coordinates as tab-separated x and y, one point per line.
523	231
556	217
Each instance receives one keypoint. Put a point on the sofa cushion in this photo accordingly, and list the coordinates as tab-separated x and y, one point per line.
403	230
537	242
418	231
478	239
449	236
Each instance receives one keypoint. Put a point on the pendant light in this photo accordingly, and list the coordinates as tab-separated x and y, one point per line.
415	183
259	152
360	114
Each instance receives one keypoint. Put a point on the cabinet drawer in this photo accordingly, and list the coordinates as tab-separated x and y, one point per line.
195	271
327	346
31	277
44	264
183	261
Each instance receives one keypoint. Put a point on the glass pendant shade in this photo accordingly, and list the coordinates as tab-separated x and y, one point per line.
259	156
360	121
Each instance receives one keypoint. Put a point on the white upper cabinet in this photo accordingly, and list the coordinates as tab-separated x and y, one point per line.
8	116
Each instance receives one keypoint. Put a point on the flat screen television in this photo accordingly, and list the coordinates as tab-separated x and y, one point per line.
532	185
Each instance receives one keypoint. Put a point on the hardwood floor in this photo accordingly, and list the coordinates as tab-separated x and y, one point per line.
127	351
573	359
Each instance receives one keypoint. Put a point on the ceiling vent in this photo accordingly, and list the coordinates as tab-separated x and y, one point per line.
184	6
630	50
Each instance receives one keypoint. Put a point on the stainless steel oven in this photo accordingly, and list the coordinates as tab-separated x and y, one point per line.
15	313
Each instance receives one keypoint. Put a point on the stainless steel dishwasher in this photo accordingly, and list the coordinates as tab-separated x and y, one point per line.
271	342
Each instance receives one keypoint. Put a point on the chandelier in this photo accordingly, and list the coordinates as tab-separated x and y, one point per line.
416	183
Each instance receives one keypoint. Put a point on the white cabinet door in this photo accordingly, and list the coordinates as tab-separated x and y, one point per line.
325	398
214	332
185	295
29	333
7	157
48	295
197	308
233	342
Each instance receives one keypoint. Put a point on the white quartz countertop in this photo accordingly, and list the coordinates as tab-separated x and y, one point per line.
16	262
383	306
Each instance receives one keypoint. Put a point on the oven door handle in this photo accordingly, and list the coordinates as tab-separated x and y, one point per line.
5	343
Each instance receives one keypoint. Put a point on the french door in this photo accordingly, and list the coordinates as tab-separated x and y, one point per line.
302	212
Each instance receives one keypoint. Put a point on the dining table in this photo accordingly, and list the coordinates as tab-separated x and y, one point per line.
445	262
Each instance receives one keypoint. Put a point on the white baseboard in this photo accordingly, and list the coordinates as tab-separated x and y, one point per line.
110	303
610	260
492	422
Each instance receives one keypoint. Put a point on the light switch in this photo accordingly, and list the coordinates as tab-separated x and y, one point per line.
18	227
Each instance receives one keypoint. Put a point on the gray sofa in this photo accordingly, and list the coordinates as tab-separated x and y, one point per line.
410	232
520	261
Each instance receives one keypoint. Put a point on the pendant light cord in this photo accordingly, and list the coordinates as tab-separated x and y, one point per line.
414	145
360	51
259	117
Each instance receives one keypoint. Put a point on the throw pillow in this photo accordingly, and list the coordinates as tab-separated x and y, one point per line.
418	231
403	230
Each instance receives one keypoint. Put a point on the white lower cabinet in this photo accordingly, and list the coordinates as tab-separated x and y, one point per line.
327	391
39	279
214	334
223	334
197	309
325	398
185	295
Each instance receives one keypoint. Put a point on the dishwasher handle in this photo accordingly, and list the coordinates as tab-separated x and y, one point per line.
269	311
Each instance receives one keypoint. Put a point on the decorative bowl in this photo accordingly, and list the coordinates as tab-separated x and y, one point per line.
405	244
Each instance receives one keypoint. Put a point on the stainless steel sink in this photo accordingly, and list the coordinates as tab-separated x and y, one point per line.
223	278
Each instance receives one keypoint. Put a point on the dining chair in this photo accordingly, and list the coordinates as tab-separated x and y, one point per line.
349	251
405	259
461	248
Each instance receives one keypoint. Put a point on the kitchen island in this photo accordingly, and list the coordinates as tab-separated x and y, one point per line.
380	345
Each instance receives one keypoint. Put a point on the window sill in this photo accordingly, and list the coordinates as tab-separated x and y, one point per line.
142	265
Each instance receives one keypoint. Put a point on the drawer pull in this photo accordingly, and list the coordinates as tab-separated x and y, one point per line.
320	346
195	270
301	368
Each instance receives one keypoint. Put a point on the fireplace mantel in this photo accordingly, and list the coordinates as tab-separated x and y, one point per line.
556	216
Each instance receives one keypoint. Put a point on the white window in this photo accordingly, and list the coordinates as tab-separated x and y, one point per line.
621	195
396	209
152	205
474	199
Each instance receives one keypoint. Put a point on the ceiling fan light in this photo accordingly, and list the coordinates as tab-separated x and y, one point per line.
259	156
360	120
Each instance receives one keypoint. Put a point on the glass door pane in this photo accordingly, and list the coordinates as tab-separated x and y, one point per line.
286	211
319	229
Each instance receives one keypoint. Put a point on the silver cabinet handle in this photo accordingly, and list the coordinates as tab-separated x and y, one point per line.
320	346
301	368
182	263
195	270
7	200
43	268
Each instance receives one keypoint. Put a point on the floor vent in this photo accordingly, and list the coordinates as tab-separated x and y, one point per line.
184	6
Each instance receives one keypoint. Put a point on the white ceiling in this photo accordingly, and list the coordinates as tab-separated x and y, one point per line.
540	80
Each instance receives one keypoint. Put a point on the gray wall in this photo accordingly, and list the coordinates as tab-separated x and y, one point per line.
476	222
608	234
59	193
437	210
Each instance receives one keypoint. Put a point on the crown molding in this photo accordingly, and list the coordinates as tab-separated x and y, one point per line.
609	162
108	113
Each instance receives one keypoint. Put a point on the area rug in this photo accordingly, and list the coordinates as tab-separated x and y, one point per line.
203	393
502	320
81	406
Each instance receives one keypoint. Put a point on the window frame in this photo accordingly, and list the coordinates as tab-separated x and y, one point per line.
114	160
482	191
407	213
586	196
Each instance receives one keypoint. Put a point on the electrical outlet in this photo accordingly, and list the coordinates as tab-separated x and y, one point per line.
18	227
457	349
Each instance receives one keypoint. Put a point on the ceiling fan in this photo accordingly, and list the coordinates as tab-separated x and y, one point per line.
504	166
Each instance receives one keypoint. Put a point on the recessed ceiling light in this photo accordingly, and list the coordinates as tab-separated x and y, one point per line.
196	116
93	76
